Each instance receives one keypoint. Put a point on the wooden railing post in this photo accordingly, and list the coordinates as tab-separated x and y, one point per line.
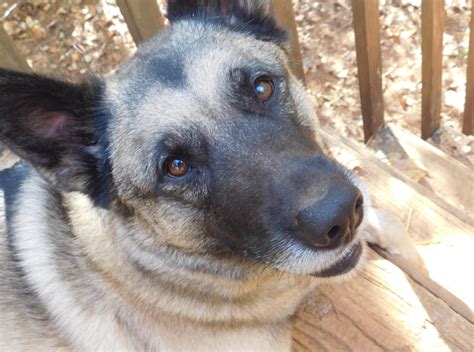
143	18
432	23
369	64
10	57
285	16
468	123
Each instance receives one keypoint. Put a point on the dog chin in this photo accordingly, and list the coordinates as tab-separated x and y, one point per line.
344	266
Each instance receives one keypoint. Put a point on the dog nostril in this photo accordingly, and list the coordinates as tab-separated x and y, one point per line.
358	204
358	212
334	232
295	223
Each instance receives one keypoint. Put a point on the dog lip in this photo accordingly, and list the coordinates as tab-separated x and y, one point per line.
345	264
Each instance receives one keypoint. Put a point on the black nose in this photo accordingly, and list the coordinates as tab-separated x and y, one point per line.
332	220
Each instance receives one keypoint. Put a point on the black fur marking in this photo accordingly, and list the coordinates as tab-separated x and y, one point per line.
255	191
10	182
99	185
167	69
158	62
230	14
189	145
243	95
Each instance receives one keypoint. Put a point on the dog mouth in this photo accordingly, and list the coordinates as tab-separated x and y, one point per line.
345	264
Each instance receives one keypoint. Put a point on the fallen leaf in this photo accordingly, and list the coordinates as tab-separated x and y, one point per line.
38	32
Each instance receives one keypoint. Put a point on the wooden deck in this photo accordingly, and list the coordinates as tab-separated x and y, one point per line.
390	305
381	310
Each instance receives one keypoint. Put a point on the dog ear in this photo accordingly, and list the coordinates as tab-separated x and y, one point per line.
55	126
250	16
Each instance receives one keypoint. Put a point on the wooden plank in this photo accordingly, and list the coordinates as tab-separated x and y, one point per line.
428	283
353	150
369	64
379	309
440	167
468	123
143	18
438	229
285	15
432	23
10	57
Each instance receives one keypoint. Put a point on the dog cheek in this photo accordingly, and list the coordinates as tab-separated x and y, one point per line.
169	223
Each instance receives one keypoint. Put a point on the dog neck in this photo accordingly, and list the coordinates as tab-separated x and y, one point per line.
87	267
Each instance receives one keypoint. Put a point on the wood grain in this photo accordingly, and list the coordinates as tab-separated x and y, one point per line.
285	15
380	309
10	57
383	308
468	122
367	38
440	167
454	302
432	24
432	223
143	18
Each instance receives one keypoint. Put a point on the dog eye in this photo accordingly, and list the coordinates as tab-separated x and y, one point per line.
263	88
176	167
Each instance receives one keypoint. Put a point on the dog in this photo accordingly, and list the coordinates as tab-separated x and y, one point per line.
183	203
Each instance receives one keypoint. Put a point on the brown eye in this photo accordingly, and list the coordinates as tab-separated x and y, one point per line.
263	88
176	167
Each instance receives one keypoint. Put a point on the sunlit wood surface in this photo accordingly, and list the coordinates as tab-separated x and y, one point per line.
385	308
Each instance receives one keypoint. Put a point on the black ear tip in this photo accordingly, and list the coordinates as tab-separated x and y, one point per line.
250	16
181	8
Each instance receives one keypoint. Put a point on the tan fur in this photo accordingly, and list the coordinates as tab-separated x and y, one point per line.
84	278
121	308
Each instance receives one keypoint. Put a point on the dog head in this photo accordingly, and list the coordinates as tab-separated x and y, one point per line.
204	142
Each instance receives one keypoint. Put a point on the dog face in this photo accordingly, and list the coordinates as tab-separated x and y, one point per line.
203	143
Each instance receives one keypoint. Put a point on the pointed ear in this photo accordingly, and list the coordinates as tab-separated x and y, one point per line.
57	127
250	16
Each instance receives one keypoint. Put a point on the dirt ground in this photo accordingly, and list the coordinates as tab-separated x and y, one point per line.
71	38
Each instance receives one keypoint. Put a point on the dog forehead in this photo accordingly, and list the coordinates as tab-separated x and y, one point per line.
177	81
182	75
191	55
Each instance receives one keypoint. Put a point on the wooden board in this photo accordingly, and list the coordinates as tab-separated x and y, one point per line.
440	167
380	309
383	308
369	64
435	226
432	23
285	15
468	122
9	55
143	18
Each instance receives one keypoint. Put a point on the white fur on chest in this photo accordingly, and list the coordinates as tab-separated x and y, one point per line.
84	330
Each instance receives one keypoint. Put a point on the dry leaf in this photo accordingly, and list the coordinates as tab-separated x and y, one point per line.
38	32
